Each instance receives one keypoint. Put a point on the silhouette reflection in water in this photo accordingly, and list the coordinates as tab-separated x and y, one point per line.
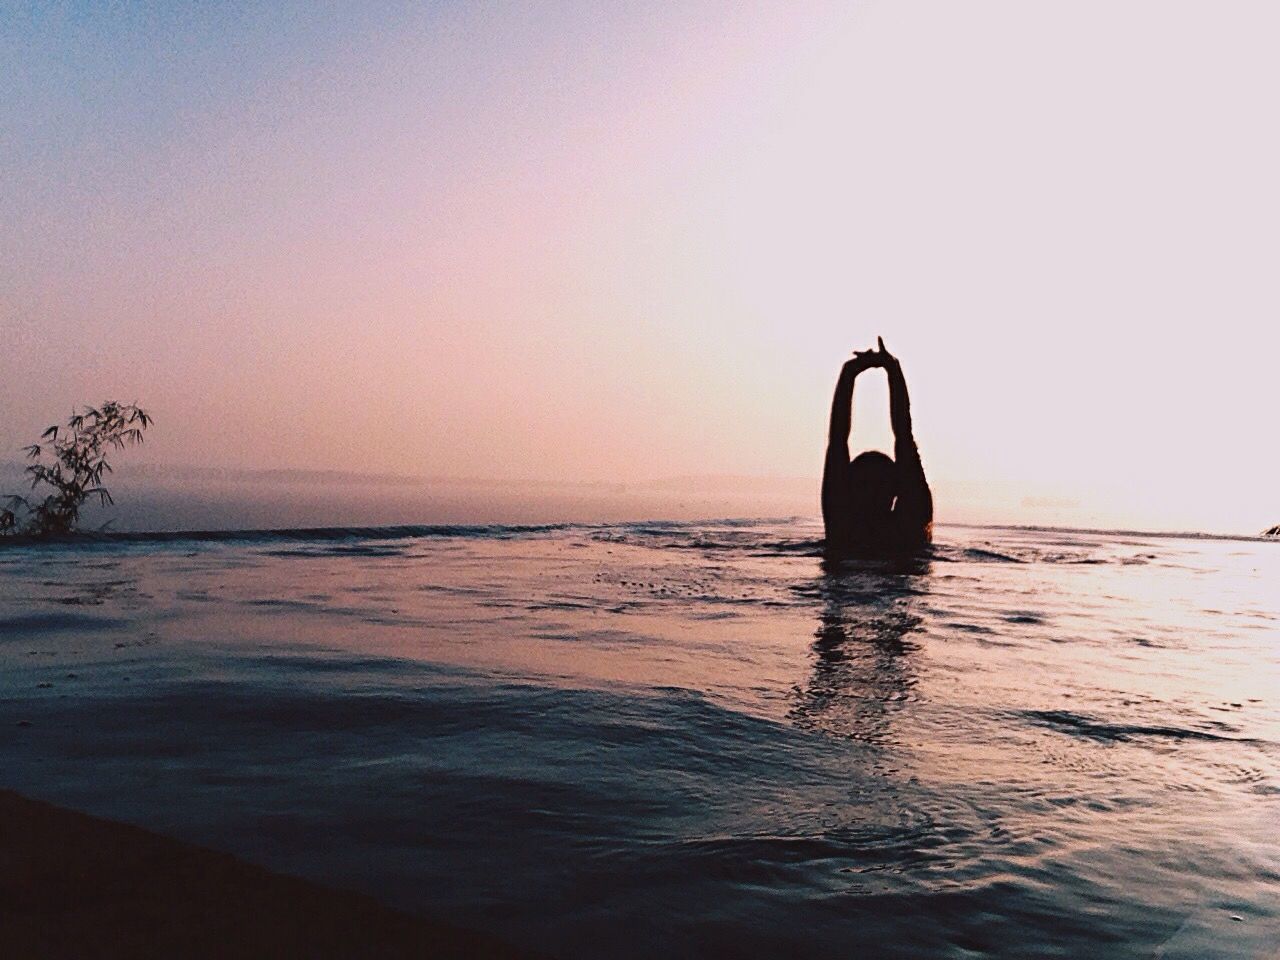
863	652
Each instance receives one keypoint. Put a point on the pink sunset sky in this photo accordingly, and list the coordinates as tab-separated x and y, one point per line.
623	242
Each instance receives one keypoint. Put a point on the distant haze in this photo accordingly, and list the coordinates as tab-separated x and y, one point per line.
575	243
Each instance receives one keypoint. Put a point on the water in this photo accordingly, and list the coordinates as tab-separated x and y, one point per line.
684	739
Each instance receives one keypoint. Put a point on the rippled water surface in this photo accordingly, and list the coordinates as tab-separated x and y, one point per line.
685	740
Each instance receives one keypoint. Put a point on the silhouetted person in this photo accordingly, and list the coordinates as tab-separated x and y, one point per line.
874	505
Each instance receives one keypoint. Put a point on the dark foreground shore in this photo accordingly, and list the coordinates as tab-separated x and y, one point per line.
72	885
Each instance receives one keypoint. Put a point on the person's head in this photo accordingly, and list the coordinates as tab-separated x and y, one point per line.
872	483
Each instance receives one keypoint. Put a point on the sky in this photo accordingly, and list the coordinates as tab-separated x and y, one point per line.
622	242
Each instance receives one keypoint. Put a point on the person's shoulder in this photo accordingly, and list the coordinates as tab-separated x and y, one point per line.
914	529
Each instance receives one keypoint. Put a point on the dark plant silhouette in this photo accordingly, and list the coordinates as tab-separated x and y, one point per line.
72	460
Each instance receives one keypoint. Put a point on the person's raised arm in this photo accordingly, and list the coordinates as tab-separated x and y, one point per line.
899	402
915	496
837	459
842	404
